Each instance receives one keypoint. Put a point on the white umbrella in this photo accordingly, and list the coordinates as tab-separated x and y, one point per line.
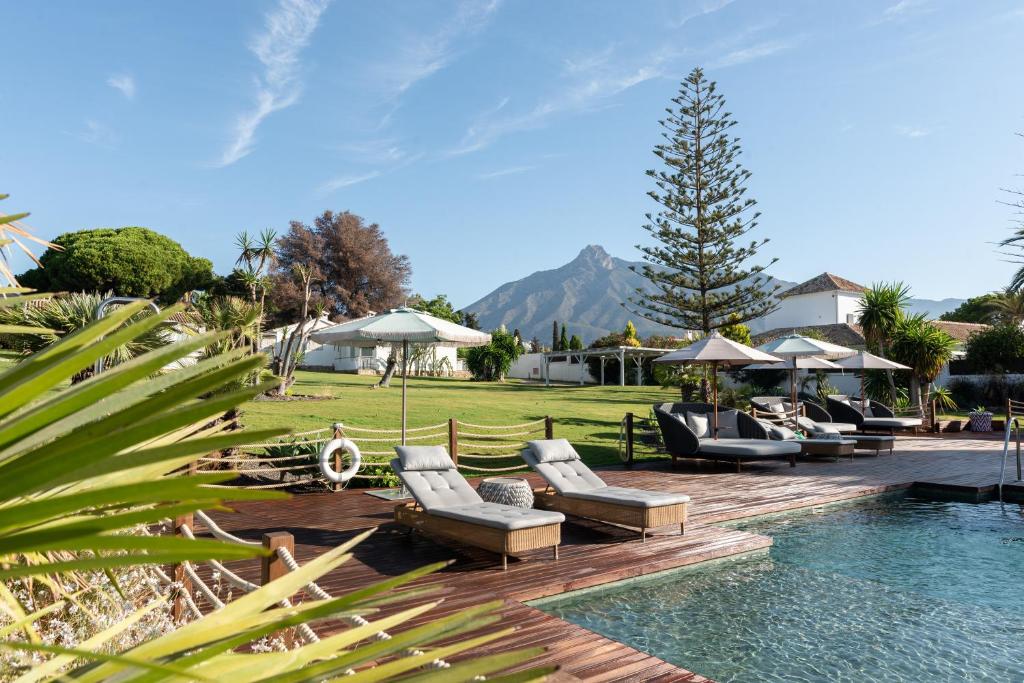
868	361
404	325
799	346
715	350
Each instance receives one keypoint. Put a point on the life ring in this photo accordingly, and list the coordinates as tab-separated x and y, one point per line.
326	461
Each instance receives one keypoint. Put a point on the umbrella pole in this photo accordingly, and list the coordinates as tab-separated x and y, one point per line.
792	394
405	381
862	391
714	394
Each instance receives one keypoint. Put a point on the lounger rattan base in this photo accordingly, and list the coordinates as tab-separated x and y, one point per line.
642	518
504	541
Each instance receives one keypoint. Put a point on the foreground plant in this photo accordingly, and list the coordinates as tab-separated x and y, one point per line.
83	467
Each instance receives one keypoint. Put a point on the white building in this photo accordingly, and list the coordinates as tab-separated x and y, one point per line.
823	300
434	360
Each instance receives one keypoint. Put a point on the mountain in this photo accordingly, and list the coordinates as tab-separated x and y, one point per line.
587	295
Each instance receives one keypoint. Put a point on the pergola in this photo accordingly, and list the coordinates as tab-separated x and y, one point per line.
621	353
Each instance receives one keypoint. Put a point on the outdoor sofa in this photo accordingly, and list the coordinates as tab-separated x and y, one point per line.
573	488
878	418
740	438
809	410
446	505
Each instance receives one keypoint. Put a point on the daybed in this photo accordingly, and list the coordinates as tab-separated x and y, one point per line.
807	409
878	417
574	489
446	505
741	438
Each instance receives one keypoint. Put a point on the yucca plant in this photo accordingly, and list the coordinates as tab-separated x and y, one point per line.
82	467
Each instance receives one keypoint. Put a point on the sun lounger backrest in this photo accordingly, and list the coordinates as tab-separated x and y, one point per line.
564	476
436	488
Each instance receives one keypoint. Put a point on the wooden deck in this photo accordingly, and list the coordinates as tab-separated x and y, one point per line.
594	554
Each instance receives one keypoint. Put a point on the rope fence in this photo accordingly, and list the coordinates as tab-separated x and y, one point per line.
192	593
294	462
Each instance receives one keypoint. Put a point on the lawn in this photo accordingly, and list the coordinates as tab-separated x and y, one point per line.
588	416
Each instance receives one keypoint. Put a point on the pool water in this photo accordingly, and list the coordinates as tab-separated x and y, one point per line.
894	588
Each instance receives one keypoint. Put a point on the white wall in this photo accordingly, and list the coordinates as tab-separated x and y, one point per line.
846	306
800	310
531	366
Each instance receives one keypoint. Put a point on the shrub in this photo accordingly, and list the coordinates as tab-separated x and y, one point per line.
996	350
964	391
493	361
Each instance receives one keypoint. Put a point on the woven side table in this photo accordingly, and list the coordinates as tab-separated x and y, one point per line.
506	491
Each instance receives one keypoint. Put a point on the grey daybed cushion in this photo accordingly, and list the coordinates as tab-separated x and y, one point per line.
892	422
497	516
699	424
640	498
419	458
748	448
553	450
434	489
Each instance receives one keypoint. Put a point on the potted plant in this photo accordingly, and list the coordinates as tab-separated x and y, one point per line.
980	420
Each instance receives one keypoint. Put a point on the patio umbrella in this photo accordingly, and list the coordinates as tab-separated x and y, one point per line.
404	325
798	346
716	350
868	361
794	363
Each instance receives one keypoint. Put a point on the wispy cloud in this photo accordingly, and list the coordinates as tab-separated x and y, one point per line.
287	31
750	54
903	7
335	184
421	56
96	133
700	10
124	83
915	131
588	82
513	170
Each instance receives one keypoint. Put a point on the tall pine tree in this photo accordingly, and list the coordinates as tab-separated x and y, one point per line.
554	335
697	265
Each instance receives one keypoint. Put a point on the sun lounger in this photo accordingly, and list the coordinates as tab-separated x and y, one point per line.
446	505
780	405
741	438
574	489
879	418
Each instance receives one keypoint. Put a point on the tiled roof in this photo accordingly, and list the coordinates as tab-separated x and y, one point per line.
843	334
959	331
826	282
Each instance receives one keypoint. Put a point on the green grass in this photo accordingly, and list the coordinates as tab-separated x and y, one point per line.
588	416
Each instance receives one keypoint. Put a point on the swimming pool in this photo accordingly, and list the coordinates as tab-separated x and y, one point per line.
893	588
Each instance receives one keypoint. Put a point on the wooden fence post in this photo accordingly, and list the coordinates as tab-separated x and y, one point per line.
629	440
336	486
178	609
272	567
549	427
453	439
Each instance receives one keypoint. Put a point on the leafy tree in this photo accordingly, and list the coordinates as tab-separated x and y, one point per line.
879	313
358	271
563	340
470	320
575	343
128	261
439	307
996	350
535	345
697	265
492	362
736	331
977	309
255	259
926	349
1007	308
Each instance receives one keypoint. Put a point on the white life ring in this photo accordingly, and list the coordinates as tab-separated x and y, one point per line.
326	461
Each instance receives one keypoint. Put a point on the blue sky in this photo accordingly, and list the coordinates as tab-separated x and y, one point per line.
495	138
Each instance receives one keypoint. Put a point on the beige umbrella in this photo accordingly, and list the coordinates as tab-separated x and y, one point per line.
404	325
716	350
868	361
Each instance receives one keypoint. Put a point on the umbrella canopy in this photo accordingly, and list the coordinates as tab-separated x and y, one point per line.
799	345
868	361
401	325
715	350
792	364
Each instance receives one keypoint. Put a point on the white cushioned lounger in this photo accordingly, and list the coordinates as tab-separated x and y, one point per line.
578	491
451	507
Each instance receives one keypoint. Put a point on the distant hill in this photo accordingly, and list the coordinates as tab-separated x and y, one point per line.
587	295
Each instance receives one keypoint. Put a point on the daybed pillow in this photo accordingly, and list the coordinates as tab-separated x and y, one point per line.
776	407
787	407
421	458
779	432
552	450
865	408
698	424
728	427
824	430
